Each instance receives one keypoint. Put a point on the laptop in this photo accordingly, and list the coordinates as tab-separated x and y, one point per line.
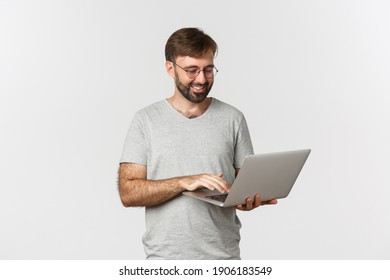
272	175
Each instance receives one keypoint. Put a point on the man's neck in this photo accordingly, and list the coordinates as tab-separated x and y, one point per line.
187	108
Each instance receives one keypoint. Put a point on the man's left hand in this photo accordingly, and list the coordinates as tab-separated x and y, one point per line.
252	203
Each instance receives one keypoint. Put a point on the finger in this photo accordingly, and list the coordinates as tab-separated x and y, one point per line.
240	207
206	185
269	202
257	202
212	184
221	184
249	203
218	178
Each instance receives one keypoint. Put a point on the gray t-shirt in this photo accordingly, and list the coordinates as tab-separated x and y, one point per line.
171	145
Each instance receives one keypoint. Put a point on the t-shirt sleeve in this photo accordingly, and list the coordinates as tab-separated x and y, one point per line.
243	145
135	148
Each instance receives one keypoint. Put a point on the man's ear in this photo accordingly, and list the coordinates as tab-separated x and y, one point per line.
170	69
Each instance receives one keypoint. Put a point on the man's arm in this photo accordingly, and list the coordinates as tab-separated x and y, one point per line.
135	190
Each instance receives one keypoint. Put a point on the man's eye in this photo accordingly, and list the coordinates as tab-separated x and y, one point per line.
209	70
193	70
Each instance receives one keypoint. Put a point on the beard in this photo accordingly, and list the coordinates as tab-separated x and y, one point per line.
189	94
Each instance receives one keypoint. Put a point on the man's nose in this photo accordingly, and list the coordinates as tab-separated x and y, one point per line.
201	78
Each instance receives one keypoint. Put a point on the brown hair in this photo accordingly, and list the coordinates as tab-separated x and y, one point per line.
189	42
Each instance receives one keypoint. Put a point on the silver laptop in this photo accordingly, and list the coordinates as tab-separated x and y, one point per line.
272	175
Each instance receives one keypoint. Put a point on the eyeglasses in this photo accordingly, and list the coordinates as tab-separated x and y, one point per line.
193	72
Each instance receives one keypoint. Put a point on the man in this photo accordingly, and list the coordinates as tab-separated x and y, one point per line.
186	142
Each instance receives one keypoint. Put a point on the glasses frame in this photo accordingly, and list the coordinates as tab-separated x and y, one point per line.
198	72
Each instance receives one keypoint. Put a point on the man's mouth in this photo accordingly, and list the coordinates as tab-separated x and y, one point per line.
199	88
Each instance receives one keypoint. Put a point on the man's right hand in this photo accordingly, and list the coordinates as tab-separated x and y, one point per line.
209	181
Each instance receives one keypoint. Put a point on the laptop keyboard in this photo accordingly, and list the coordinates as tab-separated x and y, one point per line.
218	197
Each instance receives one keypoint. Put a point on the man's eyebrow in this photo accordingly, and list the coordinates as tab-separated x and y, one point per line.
195	66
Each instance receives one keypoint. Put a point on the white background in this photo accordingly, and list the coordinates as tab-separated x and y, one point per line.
307	74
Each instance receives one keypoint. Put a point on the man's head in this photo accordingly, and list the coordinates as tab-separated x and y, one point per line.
190	56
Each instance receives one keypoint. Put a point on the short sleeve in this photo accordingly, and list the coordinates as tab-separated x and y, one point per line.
243	146
135	148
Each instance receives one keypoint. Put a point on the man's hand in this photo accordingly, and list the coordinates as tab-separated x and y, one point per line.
252	203
209	181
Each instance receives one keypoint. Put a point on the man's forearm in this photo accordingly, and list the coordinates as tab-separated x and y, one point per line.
141	192
136	190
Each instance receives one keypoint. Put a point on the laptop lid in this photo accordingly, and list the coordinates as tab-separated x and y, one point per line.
272	175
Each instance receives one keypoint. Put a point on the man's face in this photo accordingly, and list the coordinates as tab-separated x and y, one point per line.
193	89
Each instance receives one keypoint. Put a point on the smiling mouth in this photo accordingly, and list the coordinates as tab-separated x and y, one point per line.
199	88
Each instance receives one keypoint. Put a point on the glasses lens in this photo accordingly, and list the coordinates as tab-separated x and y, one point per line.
210	72
192	72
